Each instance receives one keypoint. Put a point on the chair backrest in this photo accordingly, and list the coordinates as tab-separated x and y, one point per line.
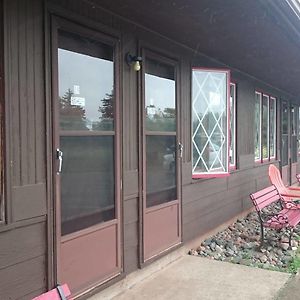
298	177
265	197
61	292
276	180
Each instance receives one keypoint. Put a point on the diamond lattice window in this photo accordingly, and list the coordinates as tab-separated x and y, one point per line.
210	94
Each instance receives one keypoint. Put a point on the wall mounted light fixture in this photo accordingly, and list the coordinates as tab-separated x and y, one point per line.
134	61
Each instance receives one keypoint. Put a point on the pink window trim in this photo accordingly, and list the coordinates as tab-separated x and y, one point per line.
218	174
233	167
270	97
210	175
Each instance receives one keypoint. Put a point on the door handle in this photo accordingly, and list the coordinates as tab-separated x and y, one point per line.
180	148
59	156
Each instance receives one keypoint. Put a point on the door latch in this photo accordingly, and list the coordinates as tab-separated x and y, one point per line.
59	156
180	149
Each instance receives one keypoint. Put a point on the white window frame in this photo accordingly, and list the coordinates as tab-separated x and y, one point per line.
258	158
275	127
224	170
232	166
261	158
264	159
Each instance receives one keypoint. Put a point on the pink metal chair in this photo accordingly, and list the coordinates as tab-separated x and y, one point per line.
61	292
298	177
288	193
285	218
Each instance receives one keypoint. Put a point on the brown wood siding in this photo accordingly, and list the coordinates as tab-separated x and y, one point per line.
25	92
22	279
22	261
23	240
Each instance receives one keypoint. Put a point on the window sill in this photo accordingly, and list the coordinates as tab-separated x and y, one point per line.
207	176
265	162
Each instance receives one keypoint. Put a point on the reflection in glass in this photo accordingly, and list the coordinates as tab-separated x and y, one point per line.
272	127
284	150
285	137
160	169
209	114
265	127
87	181
285	118
257	120
86	88
160	99
293	134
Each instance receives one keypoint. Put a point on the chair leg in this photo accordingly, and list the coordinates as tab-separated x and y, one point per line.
290	238
262	238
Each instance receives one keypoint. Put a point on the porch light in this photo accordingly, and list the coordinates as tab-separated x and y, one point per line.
134	61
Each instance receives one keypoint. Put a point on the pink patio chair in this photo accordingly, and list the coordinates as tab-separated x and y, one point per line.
298	177
288	193
61	292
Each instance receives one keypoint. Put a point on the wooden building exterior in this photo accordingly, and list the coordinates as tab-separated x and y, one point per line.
55	56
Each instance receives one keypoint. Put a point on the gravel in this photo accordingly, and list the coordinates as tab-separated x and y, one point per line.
240	242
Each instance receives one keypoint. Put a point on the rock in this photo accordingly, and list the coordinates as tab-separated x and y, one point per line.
294	243
193	252
218	249
236	260
213	246
207	242
286	259
263	258
284	246
239	226
238	244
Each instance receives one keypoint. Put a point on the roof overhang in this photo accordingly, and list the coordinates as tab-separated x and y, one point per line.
258	37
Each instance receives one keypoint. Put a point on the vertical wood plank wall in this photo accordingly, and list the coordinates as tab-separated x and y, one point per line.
205	203
23	240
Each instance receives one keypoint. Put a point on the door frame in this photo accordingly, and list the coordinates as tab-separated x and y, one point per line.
157	54
55	23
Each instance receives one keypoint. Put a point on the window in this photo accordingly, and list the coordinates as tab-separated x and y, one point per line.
210	130
284	133
294	142
232	126
264	127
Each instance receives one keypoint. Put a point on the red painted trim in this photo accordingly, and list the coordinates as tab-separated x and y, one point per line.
233	166
210	175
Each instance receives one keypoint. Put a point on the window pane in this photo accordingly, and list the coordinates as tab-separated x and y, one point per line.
86	84
87	181
160	169
285	138
293	134
160	100
265	126
257	133
210	124
272	127
285	118
232	123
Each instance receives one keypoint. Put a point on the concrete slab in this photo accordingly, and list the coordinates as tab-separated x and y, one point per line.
198	278
291	291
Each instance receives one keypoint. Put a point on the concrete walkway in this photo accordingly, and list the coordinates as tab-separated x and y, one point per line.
291	290
198	278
